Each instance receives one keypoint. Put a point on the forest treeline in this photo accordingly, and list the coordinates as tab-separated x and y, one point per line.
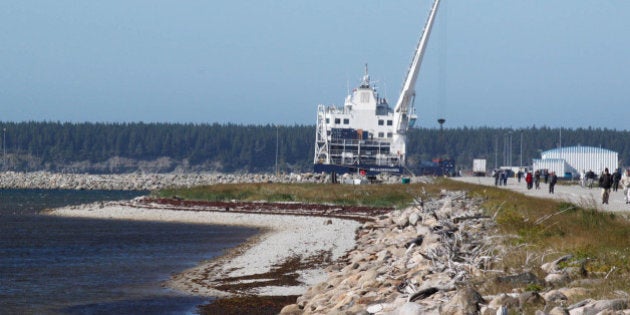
166	147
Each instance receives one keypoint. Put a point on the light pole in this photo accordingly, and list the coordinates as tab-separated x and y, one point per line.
4	148
496	152
521	149
277	174
441	121
510	155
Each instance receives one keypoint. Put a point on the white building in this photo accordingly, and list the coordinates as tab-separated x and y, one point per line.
574	160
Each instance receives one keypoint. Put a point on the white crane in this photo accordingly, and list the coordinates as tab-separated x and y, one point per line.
404	115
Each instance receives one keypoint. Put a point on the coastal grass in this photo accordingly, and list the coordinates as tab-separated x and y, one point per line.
536	231
395	195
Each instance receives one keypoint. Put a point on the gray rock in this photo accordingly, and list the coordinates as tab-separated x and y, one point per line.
530	299
414	218
409	308
557	279
595	307
521	278
465	301
558	311
291	309
504	300
555	296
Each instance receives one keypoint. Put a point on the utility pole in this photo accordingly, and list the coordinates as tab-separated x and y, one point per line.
4	148
510	155
441	121
496	151
521	148
277	173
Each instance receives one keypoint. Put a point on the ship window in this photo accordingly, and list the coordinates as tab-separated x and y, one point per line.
389	122
389	135
380	122
346	121
328	120
380	135
337	121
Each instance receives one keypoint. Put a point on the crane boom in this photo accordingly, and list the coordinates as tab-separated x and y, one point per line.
408	91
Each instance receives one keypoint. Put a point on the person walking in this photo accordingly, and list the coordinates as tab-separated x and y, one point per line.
605	182
553	179
529	180
590	178
616	177
537	179
546	176
625	184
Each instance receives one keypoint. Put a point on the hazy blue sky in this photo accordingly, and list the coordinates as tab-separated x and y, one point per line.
504	63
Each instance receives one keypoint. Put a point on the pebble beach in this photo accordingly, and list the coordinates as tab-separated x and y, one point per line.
281	237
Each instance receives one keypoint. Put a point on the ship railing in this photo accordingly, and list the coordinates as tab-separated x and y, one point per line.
361	142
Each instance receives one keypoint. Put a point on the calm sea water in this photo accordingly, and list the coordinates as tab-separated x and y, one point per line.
51	265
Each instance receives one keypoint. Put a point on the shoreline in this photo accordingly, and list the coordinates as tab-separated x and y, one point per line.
293	247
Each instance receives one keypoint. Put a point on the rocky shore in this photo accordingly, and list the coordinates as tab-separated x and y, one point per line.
434	258
152	181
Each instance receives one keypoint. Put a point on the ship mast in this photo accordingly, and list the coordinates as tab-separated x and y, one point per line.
402	113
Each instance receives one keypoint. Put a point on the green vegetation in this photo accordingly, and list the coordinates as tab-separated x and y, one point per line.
77	147
536	230
396	195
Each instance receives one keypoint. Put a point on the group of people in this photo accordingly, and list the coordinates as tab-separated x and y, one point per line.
606	181
534	180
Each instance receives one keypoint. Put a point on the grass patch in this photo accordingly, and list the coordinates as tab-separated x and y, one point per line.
395	195
541	230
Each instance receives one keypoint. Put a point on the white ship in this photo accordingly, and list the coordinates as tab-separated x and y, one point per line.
366	135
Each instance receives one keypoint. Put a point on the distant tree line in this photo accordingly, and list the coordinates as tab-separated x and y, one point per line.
126	147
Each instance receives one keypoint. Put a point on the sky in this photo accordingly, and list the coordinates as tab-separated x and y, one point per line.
494	63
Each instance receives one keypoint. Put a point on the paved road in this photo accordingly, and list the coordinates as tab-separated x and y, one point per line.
573	193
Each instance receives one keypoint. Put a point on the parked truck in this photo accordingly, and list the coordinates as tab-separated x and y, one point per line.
479	167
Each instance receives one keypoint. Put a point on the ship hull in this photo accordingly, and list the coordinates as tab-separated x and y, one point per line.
366	169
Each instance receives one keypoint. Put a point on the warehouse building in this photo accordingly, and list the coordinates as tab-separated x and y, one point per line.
569	162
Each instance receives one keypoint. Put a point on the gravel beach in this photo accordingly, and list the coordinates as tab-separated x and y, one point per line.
283	237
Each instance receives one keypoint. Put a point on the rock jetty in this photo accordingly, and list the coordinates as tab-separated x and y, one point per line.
152	181
429	259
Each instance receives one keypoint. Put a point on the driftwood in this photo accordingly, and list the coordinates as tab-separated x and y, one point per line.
544	218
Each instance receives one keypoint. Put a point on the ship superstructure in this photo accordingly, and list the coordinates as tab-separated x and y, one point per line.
366	135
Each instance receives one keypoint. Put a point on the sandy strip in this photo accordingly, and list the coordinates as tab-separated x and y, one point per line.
285	237
581	196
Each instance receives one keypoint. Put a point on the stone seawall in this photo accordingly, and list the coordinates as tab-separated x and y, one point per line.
146	181
436	256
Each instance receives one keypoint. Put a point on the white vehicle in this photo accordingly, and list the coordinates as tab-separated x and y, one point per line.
479	167
366	135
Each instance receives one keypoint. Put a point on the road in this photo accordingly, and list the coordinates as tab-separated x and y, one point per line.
574	193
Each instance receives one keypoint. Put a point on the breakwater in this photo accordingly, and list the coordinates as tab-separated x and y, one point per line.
152	181
437	256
